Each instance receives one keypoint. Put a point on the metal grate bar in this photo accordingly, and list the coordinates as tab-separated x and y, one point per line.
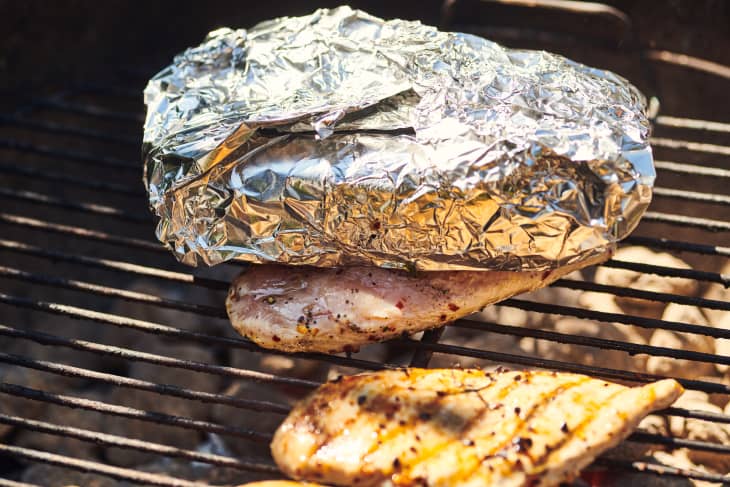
669	271
422	357
249	404
240	343
81	232
133	355
687	221
691	123
43	175
161	360
115	265
642	437
90	111
150	327
641	294
689	145
223	285
206	426
697	414
631	348
422	350
649	323
214	312
661	470
679	167
70	156
692	196
132	444
709	387
12	483
63	129
149	245
665	244
142	385
60	282
119	473
96	209
691	62
132	413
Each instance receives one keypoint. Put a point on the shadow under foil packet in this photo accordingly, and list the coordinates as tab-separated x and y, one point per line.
339	138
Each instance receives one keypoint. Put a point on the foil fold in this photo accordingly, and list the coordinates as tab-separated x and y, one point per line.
339	138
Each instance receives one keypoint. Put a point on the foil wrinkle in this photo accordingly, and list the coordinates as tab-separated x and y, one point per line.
339	138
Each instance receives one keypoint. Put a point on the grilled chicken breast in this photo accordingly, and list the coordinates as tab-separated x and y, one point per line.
453	427
296	309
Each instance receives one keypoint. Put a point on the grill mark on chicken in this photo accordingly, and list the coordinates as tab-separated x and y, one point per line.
433	451
520	424
327	439
461	440
540	461
393	429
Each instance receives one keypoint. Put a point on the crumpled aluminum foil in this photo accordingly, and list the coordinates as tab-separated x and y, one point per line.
339	138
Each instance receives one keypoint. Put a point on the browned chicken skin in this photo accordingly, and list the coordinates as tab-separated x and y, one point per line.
447	428
298	309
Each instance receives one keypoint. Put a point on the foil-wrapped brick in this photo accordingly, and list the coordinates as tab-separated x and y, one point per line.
339	138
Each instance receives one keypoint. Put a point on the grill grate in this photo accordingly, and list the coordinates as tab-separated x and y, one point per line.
75	241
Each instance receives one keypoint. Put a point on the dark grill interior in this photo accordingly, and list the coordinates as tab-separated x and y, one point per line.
87	296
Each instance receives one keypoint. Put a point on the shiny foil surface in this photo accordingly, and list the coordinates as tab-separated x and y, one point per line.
339	138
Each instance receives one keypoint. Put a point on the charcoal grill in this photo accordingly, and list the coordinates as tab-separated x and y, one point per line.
76	233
